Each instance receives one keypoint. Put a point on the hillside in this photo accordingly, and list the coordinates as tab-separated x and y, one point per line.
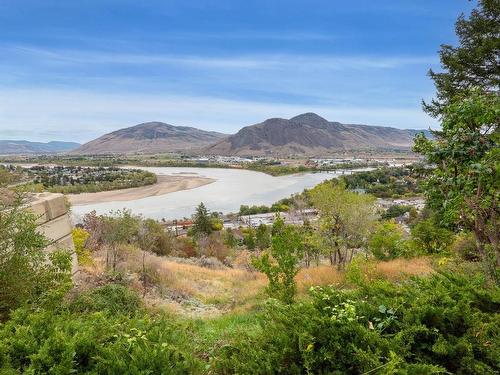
310	134
150	137
8	147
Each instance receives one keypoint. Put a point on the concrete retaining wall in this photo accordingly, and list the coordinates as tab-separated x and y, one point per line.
55	223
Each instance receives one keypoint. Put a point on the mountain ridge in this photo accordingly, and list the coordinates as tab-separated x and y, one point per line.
147	137
13	147
310	134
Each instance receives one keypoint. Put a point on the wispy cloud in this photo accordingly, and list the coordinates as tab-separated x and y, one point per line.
81	116
255	61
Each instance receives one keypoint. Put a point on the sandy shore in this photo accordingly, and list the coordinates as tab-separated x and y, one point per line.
165	185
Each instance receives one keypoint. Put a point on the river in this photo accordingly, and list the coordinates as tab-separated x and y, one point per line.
232	188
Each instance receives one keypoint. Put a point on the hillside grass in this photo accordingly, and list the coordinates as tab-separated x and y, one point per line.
195	291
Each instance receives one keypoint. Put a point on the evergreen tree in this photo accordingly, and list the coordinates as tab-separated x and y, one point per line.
474	63
202	221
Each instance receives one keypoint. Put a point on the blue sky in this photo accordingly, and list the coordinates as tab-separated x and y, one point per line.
74	70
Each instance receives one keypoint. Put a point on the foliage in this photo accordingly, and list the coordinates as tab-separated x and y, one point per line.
464	246
28	274
428	237
474	63
77	179
464	188
202	225
447	323
312	243
281	262
395	211
386	242
249	238
229	238
9	175
113	299
283	205
102	333
262	237
154	238
80	237
386	182
346	218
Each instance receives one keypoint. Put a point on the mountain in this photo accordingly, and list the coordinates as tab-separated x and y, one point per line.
310	134
26	147
150	137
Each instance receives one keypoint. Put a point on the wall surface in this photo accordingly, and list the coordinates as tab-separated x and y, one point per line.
55	223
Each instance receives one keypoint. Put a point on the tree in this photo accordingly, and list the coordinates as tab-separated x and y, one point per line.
153	237
262	237
346	218
202	221
474	64
28	274
281	262
312	243
120	227
464	187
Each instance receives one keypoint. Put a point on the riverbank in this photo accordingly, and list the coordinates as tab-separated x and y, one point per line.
164	185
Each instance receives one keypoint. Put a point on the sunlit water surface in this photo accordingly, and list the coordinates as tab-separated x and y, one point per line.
232	188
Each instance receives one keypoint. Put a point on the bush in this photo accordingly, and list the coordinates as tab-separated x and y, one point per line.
281	262
80	237
447	323
60	342
387	241
464	245
428	237
112	298
28	274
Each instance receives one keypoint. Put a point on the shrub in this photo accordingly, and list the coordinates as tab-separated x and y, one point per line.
387	241
80	237
464	245
28	274
112	298
446	323
61	342
281	262
428	237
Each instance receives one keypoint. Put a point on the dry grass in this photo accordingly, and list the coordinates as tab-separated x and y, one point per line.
193	290
320	275
182	287
393	270
401	268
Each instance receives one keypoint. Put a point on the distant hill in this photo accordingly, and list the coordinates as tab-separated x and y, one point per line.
8	147
150	137
310	134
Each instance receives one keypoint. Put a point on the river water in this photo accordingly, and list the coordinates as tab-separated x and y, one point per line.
232	188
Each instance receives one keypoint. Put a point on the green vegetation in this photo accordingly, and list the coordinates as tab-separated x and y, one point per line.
387	242
346	219
27	273
282	205
447	323
362	317
75	180
281	262
386	182
464	188
10	175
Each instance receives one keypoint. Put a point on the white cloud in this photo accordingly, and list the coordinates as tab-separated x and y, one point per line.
255	61
72	115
